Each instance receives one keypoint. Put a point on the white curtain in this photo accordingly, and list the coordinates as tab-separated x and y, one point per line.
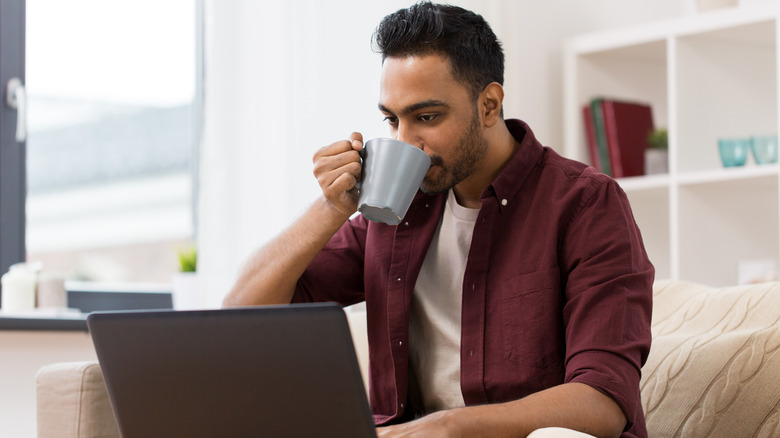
284	78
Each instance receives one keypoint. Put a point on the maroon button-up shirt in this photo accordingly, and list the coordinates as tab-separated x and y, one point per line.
557	287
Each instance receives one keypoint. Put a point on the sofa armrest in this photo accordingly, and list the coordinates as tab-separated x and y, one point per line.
72	402
357	326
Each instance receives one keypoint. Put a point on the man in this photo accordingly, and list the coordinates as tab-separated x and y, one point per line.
516	293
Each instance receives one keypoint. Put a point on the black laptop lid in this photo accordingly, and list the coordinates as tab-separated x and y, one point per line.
275	371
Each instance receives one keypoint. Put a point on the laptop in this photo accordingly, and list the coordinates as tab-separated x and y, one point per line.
268	371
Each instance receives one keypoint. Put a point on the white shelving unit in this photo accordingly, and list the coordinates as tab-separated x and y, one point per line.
709	76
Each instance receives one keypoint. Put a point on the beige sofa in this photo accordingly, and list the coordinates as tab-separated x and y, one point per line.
713	370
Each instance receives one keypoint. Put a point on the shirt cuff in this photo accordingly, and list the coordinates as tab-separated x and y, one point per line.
611	375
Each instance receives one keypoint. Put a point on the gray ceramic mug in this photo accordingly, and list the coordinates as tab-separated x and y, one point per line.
392	173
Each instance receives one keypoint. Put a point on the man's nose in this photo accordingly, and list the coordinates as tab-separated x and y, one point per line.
405	135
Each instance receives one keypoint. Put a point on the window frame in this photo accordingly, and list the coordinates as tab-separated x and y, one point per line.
13	163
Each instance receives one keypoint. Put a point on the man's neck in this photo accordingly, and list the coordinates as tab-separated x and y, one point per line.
501	147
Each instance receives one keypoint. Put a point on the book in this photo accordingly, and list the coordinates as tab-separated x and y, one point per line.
590	137
627	126
601	136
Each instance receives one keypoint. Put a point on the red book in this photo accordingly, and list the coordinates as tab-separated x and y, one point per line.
590	134
627	126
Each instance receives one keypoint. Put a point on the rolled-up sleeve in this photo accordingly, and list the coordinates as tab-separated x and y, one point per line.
608	298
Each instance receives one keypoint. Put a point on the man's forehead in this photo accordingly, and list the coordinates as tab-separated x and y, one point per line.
419	65
411	80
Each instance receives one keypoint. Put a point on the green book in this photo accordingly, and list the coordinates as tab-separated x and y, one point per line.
601	135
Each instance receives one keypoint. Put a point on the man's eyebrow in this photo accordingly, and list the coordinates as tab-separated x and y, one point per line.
416	106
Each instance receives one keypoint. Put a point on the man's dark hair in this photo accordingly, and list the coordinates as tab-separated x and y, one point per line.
461	36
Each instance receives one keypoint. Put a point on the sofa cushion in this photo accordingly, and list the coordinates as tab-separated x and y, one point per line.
356	317
713	366
72	402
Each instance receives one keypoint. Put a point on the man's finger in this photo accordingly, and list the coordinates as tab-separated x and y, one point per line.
356	139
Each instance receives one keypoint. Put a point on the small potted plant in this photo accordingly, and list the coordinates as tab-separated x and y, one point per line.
657	152
185	282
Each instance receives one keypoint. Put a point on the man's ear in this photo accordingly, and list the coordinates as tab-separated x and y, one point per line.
491	98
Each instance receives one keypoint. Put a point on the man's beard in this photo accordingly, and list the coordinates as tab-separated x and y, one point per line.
468	153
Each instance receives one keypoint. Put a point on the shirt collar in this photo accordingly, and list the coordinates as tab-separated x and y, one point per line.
511	178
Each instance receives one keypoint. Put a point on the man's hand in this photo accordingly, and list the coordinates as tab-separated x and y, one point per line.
575	406
337	169
436	425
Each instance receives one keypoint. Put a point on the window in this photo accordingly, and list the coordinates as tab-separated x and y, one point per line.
12	159
114	109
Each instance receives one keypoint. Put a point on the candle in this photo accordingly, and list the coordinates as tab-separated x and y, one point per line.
18	289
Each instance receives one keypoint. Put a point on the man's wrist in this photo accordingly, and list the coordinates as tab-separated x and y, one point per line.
330	213
455	421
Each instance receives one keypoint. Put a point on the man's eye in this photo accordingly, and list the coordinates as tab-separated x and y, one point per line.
391	120
427	117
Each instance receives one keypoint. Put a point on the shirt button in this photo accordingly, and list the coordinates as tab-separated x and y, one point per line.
398	280
400	343
402	405
504	202
406	224
471	352
427	205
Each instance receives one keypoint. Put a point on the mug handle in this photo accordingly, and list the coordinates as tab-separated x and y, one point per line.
362	154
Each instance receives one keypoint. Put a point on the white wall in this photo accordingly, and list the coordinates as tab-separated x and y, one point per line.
283	80
22	354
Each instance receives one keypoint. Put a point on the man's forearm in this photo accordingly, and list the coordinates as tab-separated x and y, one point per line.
270	274
572	405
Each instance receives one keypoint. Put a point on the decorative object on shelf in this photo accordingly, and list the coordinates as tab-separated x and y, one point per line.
185	283
733	151
764	149
657	154
617	134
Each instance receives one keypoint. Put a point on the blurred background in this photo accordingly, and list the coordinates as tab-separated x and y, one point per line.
157	125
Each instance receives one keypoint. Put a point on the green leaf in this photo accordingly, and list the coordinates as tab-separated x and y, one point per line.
188	259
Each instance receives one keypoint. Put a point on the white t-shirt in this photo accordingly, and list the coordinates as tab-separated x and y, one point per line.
435	319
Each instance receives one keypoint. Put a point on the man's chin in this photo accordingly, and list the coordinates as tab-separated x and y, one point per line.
433	189
436	181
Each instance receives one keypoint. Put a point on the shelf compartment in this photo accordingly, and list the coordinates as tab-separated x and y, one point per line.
726	83
634	73
707	77
724	222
